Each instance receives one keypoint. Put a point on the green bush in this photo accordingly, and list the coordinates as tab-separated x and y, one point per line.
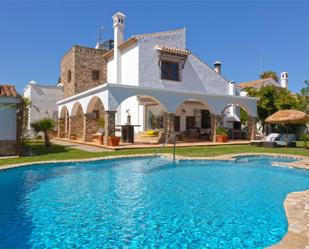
305	139
221	131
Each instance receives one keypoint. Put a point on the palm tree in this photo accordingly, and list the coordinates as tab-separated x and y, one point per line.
44	125
269	74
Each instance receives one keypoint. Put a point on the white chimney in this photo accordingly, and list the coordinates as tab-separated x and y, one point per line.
232	108
217	67
118	24
284	80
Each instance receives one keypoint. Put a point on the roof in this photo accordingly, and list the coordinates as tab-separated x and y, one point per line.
134	39
8	91
173	50
259	83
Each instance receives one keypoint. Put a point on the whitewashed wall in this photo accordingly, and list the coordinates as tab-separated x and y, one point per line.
45	99
135	110
7	123
110	71
129	65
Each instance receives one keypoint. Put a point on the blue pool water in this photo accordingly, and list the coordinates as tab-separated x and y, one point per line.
126	203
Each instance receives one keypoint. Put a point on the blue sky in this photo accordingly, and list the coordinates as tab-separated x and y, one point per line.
34	35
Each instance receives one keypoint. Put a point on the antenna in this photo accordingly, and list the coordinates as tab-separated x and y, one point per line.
100	38
101	35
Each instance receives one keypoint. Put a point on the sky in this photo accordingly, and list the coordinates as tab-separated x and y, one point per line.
246	36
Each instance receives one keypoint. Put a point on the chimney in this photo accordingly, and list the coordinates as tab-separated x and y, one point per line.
284	81
118	24
217	67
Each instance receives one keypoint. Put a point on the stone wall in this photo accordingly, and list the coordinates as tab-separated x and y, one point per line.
81	61
8	148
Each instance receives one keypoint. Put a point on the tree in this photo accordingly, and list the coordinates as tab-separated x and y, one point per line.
273	99
44	125
269	74
304	92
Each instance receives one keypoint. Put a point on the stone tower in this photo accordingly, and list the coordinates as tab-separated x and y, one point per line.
82	68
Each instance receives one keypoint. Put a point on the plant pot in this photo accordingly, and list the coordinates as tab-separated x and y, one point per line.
113	141
101	139
221	138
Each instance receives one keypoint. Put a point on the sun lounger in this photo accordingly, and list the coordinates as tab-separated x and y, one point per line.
285	139
270	138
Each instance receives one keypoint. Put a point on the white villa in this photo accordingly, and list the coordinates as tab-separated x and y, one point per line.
44	101
154	79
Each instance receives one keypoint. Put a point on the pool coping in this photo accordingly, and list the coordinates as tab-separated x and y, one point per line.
296	204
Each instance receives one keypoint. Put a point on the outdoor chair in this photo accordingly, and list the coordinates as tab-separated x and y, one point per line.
285	140
270	138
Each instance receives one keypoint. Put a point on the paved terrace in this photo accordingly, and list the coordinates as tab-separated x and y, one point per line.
94	146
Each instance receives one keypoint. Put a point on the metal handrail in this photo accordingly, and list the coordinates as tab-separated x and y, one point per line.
162	146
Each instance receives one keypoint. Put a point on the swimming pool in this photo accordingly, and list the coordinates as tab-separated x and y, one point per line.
124	203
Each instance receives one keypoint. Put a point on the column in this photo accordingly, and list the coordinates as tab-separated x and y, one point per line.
168	123
87	136
251	128
60	127
215	122
109	128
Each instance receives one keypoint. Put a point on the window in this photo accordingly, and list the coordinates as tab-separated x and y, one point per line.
95	74
69	75
170	70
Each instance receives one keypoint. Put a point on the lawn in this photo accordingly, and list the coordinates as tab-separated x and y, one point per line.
57	152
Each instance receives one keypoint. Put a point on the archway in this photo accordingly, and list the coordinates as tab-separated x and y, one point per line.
76	123
63	122
193	119
145	113
235	119
95	119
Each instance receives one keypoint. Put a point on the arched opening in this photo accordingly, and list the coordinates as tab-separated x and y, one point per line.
193	120
96	120
63	122
235	119
76	123
145	113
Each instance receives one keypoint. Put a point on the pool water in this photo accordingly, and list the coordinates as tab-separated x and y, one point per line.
125	203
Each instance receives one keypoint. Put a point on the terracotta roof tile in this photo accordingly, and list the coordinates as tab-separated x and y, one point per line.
173	50
258	83
8	91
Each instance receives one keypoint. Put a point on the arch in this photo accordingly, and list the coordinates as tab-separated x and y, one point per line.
63	112
95	100
192	113
237	105
144	110
75	108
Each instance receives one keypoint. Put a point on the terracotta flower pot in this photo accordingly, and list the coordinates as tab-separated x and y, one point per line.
113	141
221	138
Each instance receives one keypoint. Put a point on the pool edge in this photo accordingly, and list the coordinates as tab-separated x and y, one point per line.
296	204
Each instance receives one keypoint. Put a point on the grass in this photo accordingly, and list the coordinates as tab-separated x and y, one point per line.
58	152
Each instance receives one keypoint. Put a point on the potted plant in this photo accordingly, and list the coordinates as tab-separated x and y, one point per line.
113	140
221	135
